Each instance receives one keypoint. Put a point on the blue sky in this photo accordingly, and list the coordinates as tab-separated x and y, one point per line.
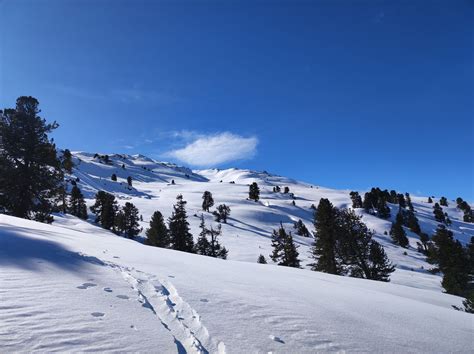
345	94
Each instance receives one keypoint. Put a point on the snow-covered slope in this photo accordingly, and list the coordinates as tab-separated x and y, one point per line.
247	233
72	286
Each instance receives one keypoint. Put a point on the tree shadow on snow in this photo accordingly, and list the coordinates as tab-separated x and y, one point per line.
24	252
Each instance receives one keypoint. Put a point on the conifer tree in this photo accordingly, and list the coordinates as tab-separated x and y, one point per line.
114	177
301	228
412	222
286	190
131	228
105	209
430	200
157	234
221	213
356	200
261	259
438	213
383	211
393	197
31	173
207	201
66	162
380	267
397	232
202	244
77	205
469	303
324	248
181	238
129	181
285	251
409	203
215	248
401	201
443	201
254	192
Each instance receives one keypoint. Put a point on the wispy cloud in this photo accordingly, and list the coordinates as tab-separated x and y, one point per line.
132	94
215	149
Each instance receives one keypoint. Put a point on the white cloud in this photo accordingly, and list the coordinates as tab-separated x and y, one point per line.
213	150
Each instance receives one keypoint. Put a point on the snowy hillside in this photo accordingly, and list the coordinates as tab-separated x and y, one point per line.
72	286
248	231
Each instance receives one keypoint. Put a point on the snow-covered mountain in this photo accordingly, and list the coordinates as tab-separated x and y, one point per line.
74	286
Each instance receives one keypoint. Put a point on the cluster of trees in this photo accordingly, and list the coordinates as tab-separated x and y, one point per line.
285	252
375	202
453	260
344	245
177	234
439	215
466	208
120	220
222	211
301	228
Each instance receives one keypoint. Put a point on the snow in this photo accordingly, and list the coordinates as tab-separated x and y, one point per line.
72	286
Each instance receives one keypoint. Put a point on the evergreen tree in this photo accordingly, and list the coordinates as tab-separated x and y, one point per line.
207	201
383	211
438	213
393	197
181	238
324	248
202	245
215	248
105	209
131	228
423	245
469	303
114	177
254	191
301	228
397	232
286	190
443	201
412	222
66	162
129	181
284	249
77	205
157	234
409	203
261	259
401	201
221	213
430	200
30	169
356	200
380	267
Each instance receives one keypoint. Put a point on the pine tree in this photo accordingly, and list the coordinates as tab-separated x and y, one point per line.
261	259
131	228
409	203
30	170
157	234
221	213
66	162
380	267
254	191
383	211
114	177
443	201
286	190
393	197
129	181
301	228
284	249
412	222
77	205
469	303
397	232
438	213
105	209
215	248
202	245
401	201
181	238
430	200
324	248
207	201
356	200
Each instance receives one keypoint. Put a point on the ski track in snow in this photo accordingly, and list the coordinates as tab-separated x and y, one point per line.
176	315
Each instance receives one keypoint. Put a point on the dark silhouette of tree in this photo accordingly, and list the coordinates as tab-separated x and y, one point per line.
207	201
77	205
157	234
181	237
105	208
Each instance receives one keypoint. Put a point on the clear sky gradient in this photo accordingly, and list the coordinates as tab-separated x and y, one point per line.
345	94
